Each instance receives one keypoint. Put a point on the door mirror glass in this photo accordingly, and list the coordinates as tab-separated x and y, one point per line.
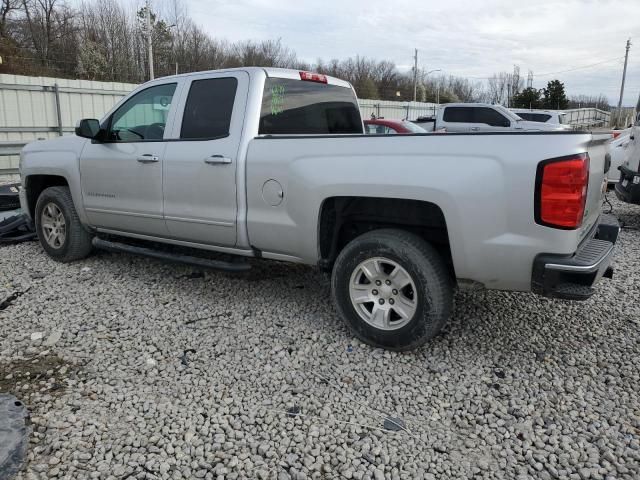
88	128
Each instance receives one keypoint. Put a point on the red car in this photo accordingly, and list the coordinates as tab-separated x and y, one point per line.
381	126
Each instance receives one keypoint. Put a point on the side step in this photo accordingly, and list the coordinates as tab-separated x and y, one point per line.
171	257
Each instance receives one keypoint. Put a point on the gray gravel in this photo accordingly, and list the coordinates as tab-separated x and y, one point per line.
137	369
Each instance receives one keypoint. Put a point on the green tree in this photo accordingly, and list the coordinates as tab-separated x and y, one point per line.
527	98
92	64
366	88
554	96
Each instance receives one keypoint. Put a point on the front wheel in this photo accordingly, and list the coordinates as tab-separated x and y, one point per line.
59	230
392	289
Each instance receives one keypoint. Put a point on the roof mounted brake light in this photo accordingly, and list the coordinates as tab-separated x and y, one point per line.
313	77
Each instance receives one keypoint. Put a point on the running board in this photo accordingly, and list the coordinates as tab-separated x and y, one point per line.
171	257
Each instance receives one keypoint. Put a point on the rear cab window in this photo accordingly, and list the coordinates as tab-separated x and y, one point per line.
299	107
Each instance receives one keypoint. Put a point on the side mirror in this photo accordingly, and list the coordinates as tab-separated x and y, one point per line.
88	128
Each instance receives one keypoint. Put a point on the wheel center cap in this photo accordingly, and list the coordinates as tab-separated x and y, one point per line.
385	291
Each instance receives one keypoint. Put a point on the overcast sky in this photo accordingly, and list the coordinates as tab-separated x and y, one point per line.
472	38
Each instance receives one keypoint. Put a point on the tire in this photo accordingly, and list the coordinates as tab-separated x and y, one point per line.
425	302
56	203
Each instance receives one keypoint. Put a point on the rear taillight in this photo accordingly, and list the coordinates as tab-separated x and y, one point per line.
313	77
561	191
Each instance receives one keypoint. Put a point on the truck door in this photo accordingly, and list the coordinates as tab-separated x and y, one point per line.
201	161
489	120
457	119
121	176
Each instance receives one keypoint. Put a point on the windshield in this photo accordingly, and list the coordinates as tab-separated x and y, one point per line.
507	113
413	128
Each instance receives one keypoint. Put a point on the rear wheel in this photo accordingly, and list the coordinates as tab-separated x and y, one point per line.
59	230
392	289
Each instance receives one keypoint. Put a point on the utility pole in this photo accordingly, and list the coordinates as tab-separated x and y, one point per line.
415	75
149	40
624	74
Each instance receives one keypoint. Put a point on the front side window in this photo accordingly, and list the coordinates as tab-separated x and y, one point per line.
144	116
490	117
298	107
207	114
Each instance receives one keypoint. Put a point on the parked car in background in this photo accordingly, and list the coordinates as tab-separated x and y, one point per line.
553	117
618	149
628	187
481	117
383	126
272	163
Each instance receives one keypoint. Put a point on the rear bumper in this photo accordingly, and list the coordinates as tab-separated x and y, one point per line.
626	189
573	277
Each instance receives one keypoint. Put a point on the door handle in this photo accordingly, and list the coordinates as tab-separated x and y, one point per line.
475	129
217	160
147	158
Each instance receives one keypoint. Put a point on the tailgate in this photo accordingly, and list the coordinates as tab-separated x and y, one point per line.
598	149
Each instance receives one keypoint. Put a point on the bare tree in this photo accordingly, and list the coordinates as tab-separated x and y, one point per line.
7	7
108	42
50	29
589	101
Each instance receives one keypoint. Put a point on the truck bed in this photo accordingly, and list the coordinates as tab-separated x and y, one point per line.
483	183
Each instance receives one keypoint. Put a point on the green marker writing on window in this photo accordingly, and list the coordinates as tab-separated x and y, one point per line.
277	99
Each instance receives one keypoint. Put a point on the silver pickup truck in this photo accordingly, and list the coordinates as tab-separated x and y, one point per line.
271	163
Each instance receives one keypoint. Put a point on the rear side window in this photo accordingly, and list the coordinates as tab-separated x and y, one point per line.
208	110
458	115
298	107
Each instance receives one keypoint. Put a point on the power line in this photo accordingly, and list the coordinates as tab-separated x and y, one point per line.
578	68
549	73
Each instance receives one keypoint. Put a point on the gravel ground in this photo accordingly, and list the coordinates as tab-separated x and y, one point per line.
137	369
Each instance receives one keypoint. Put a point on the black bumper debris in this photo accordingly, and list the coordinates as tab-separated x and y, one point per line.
627	189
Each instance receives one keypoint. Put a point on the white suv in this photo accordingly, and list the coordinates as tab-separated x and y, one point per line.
554	117
484	117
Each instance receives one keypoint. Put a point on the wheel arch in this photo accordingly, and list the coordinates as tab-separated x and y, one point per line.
35	184
343	218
